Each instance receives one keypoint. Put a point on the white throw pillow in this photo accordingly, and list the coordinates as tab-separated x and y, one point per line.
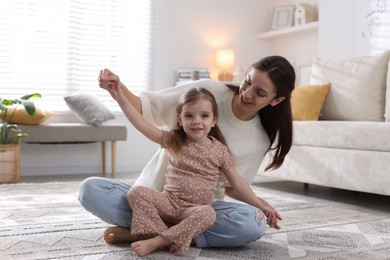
358	87
88	108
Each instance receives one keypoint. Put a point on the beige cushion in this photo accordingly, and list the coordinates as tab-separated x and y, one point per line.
358	87
22	117
352	135
307	101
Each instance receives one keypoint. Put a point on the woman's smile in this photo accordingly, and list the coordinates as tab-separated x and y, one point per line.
244	101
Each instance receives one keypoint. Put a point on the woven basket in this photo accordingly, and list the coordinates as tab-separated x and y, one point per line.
9	163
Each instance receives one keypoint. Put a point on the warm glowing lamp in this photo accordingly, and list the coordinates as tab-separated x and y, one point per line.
225	60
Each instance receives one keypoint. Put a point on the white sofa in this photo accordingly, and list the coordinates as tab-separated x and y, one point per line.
349	146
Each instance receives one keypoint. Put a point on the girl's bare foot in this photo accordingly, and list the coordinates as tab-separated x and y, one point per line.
173	249
113	235
144	247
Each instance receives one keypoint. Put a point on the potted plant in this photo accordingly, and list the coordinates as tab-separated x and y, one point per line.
10	135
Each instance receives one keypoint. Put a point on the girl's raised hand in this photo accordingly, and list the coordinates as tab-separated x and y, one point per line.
108	80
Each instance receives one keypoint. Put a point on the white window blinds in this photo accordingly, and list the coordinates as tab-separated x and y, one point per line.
379	26
58	47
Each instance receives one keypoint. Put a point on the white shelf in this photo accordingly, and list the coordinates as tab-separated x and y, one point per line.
293	30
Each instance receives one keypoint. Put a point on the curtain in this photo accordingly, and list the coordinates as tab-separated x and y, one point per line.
57	48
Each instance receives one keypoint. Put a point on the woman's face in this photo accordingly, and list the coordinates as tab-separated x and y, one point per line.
256	92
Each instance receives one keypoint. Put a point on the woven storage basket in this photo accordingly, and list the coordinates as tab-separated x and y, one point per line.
9	163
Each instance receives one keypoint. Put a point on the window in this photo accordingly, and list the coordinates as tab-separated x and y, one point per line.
58	47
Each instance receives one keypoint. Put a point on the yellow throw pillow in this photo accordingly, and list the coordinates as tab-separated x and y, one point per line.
307	101
22	117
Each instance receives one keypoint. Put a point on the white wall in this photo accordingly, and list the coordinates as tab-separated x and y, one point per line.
344	30
343	33
187	33
300	48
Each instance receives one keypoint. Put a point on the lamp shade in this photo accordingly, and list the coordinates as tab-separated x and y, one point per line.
225	58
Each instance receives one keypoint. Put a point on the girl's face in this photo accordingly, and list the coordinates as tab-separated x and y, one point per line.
197	119
256	92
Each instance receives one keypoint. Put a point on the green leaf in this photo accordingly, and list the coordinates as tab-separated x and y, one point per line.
8	102
12	127
35	95
29	106
2	107
20	135
6	128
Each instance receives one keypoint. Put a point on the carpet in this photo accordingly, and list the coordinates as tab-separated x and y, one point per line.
46	221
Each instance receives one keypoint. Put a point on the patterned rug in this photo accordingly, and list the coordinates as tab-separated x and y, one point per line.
45	221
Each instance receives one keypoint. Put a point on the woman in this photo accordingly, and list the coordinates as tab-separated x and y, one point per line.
254	118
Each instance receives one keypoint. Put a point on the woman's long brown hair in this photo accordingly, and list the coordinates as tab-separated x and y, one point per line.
277	120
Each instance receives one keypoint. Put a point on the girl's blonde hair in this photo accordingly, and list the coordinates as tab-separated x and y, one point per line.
191	96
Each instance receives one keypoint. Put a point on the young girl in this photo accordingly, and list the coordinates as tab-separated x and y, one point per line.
198	155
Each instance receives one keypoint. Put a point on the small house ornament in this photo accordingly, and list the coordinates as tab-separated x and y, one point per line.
304	13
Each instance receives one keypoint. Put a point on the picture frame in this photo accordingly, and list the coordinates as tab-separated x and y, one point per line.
282	16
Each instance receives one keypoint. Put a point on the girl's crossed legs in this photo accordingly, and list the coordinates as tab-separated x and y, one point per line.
236	223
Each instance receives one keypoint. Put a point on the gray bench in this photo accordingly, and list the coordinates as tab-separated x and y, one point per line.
66	133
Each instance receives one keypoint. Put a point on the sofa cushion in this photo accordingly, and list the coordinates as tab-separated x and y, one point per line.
356	170
357	135
307	101
89	109
358	87
20	115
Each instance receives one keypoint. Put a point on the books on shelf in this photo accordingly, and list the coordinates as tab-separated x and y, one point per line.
187	75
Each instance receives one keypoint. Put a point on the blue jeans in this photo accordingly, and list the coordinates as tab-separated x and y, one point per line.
236	224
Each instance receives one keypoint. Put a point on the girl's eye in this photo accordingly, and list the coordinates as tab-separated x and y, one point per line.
187	116
205	116
247	81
